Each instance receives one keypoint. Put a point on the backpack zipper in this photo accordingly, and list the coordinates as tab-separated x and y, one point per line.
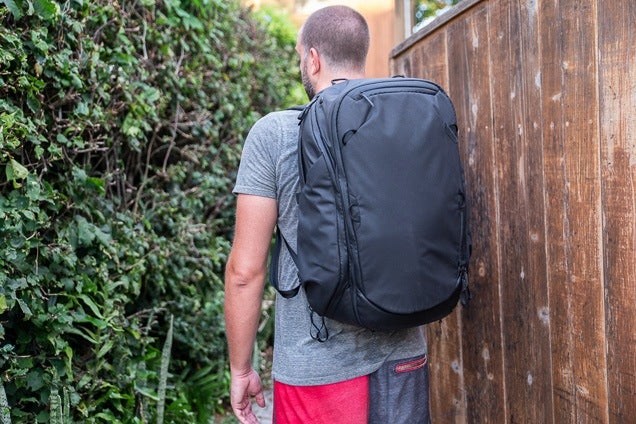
353	262
338	196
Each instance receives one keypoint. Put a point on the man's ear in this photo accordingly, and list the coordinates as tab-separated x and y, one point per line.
315	64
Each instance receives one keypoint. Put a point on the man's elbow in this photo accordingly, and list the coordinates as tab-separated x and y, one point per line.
240	276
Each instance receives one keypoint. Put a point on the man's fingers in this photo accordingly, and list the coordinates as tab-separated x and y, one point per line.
260	399
246	415
244	388
244	412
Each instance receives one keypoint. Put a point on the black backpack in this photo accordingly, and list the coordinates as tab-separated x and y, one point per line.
383	240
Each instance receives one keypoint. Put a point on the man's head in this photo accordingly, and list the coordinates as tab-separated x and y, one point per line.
333	43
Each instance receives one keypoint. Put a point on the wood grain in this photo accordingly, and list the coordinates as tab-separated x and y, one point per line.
481	326
573	212
519	179
617	88
545	93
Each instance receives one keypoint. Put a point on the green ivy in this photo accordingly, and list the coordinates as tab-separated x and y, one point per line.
121	125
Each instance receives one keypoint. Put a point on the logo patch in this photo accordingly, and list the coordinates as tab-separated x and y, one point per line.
412	365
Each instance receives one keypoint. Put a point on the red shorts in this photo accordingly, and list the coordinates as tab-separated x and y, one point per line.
397	393
346	402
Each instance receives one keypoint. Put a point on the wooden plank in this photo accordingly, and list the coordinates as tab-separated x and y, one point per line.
519	180
447	395
617	76
557	249
469	87
571	163
426	60
539	373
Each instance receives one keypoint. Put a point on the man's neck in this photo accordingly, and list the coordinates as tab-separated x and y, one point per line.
328	79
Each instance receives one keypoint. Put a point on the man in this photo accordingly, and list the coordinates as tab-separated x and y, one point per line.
355	375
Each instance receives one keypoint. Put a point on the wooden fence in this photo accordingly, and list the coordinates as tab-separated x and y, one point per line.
545	92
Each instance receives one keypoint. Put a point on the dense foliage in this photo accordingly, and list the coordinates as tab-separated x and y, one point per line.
427	9
120	131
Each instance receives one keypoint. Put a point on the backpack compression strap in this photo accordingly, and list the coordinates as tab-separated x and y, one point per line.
273	266
318	333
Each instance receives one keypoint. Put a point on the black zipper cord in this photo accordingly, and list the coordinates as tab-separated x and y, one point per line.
321	333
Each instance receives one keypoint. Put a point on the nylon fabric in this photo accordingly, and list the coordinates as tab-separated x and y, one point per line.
382	229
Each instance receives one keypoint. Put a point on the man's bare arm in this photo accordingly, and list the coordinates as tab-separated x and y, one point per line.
244	281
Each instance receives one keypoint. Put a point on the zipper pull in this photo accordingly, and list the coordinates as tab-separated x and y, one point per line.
465	295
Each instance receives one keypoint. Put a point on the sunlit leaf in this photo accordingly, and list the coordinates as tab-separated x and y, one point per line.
16	171
46	9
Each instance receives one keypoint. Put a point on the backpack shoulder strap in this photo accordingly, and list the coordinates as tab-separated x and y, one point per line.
280	240
298	108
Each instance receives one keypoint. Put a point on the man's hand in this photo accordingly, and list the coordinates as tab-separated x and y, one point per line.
243	387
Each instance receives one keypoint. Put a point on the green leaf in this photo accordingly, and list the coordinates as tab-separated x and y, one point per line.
34	380
96	183
14	6
55	406
84	333
25	308
16	171
61	138
39	151
89	302
85	231
34	190
163	372
81	109
98	323
130	126
147	393
105	348
68	351
33	103
3	304
46	9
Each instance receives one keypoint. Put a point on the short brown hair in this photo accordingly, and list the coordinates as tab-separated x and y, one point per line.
338	33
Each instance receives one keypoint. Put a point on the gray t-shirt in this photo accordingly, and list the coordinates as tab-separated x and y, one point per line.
269	168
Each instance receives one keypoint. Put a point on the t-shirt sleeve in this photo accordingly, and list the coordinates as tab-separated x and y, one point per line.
257	170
